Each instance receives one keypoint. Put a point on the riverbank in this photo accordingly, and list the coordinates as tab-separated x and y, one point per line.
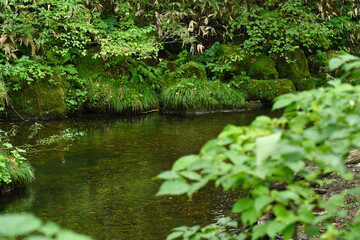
181	84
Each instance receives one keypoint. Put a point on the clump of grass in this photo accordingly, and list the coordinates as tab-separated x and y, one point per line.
120	97
193	94
16	171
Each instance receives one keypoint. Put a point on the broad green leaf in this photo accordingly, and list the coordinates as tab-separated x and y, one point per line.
167	175
12	225
67	235
259	231
50	229
174	235
261	202
38	237
283	101
191	175
173	187
265	146
242	204
184	162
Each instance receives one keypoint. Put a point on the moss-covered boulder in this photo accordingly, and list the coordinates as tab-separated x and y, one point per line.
192	70
264	90
293	65
302	84
262	67
41	100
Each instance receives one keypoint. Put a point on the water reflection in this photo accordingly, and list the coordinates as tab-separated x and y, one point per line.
104	188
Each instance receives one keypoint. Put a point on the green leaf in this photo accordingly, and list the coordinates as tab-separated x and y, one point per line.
242	204
12	225
67	235
50	229
262	202
174	235
173	187
265	146
284	101
38	237
168	175
184	162
191	175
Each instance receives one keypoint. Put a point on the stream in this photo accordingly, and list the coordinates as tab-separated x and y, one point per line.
103	186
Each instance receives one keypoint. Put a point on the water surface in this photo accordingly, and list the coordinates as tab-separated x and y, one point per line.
103	186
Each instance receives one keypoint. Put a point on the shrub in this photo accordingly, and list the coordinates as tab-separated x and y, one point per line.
277	163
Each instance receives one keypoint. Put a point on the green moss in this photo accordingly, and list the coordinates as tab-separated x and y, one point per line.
264	90
193	70
88	66
293	65
39	100
171	66
201	95
262	67
304	83
115	96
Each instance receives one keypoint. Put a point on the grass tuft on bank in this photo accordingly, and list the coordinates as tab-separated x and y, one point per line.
120	97
191	94
15	171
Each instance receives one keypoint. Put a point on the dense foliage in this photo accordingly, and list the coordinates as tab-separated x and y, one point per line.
277	163
43	41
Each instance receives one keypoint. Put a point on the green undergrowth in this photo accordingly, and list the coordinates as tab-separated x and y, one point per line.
13	170
192	94
117	96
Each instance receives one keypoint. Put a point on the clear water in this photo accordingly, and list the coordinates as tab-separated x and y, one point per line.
103	186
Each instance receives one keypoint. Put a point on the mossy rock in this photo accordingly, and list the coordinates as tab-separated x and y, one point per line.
41	100
293	65
262	67
265	90
171	66
193	70
304	83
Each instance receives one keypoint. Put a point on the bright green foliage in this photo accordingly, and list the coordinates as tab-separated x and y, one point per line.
194	94
279	26
29	227
263	90
278	161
